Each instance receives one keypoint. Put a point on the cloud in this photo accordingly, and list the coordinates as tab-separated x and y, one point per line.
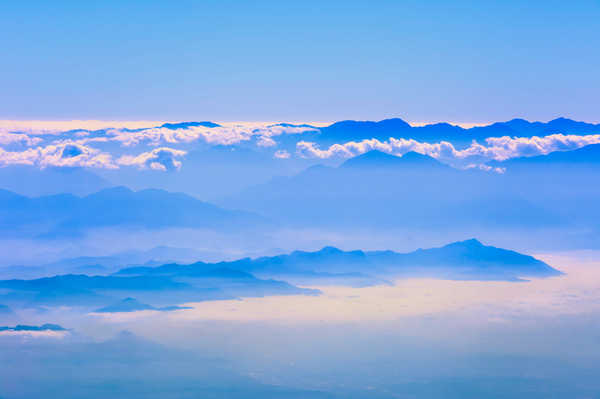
281	154
265	141
18	138
228	134
486	168
46	146
496	148
67	153
163	159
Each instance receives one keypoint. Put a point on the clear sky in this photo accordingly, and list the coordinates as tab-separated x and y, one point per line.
300	61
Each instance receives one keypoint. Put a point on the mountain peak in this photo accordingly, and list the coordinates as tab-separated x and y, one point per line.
471	242
187	125
376	158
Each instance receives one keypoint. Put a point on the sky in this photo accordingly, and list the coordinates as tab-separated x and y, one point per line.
459	61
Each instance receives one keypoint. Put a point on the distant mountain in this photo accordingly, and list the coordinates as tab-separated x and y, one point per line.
43	327
133	305
159	288
33	181
67	214
379	159
380	190
360	130
102	265
585	156
465	260
186	125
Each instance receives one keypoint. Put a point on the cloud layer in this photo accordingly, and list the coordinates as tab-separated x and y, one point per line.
495	148
163	147
162	159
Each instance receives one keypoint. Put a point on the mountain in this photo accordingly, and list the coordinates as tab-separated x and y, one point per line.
469	259
102	265
33	181
186	125
379	159
384	191
349	130
159	288
117	207
588	156
360	130
43	327
133	305
465	260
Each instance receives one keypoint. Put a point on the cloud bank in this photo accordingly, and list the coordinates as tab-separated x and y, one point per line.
162	147
495	148
163	159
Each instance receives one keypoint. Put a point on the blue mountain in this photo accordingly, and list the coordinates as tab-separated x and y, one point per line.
33	181
160	287
359	130
67	214
43	327
186	125
465	260
133	305
380	190
585	156
379	159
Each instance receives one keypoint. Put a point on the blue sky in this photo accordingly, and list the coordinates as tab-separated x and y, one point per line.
300	61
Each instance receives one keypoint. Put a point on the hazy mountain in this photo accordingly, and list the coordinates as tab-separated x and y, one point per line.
101	265
379	159
163	289
43	327
117	207
465	260
382	190
584	157
185	125
360	130
33	181
133	305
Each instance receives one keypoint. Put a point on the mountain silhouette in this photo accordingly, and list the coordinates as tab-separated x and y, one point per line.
67	214
133	305
464	260
379	159
350	130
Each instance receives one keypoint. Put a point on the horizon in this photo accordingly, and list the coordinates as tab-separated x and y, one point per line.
98	124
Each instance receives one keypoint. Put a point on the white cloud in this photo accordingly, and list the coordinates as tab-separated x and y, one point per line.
229	134
67	153
497	148
162	159
281	154
18	138
265	141
486	168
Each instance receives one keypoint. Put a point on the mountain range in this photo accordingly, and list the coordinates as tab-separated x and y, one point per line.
382	190
66	214
93	291
351	130
174	283
464	260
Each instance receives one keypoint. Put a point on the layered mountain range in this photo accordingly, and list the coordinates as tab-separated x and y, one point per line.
162	287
